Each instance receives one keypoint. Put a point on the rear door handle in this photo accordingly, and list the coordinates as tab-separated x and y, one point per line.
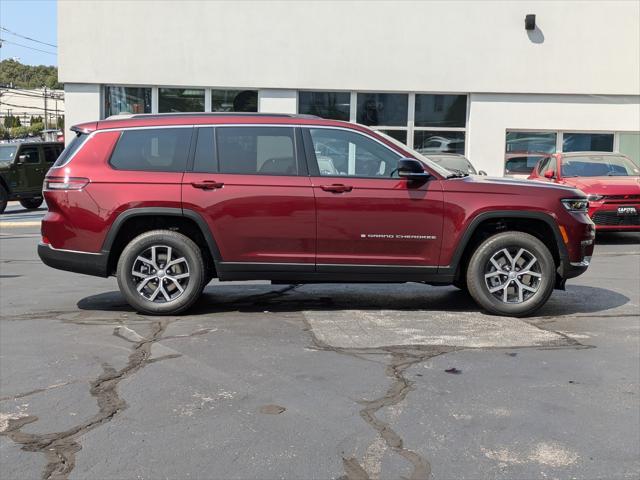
207	185
336	188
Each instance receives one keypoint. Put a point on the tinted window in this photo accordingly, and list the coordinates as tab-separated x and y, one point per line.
180	100
256	150
234	100
584	142
343	153
158	149
126	100
426	142
543	165
400	135
50	153
204	160
333	105
32	154
523	164
598	166
441	110
72	148
386	109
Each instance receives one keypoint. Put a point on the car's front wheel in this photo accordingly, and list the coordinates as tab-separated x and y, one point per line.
31	203
161	272
511	273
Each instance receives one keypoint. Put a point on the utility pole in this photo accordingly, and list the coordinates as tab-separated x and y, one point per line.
44	93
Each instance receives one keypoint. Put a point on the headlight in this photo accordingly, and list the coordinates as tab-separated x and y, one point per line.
594	198
576	204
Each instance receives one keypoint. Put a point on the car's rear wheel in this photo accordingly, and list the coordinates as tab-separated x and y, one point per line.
31	203
161	272
511	273
4	198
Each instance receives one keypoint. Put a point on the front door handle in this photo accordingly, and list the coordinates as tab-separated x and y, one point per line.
207	185
336	188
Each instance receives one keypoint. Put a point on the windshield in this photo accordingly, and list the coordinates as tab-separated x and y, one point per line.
434	166
598	166
7	154
454	163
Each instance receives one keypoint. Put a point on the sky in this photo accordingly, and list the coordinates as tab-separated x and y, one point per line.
30	18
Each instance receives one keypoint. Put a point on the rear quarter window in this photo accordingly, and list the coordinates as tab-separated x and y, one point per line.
154	149
71	149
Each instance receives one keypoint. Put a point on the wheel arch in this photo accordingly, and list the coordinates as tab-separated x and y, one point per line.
539	224
136	221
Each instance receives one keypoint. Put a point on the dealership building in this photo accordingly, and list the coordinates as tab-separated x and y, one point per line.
500	82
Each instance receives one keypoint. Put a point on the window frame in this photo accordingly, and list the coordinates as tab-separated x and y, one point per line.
312	160
38	149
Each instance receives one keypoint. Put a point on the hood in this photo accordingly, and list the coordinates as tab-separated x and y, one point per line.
516	182
606	185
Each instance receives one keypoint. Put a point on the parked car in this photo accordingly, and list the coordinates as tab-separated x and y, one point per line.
438	144
455	163
611	181
167	202
22	169
521	164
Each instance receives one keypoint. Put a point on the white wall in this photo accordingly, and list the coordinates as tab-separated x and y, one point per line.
278	101
82	102
457	46
492	114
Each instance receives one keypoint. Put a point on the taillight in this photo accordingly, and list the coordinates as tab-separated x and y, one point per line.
65	183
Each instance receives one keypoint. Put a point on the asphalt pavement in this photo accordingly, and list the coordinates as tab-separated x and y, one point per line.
316	381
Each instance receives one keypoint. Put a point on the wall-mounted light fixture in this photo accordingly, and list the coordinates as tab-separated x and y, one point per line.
530	22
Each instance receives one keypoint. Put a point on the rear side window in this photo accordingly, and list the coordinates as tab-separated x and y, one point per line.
154	149
72	148
256	150
50	153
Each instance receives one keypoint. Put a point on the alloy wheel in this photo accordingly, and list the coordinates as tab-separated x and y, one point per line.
513	275
160	274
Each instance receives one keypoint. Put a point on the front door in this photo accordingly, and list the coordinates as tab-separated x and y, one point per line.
367	216
251	185
29	170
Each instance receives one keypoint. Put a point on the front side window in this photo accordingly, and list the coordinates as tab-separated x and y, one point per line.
587	142
598	166
155	150
126	100
256	150
331	105
180	100
7	154
50	153
350	154
30	154
383	109
234	100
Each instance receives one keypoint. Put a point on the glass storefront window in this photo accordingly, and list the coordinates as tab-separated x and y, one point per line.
180	100
441	110
400	135
541	142
629	145
427	141
234	100
587	142
384	109
331	105
123	100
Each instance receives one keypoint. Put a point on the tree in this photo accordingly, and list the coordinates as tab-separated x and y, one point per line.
12	121
28	76
37	119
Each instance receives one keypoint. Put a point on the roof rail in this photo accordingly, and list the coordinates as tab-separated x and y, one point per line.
208	114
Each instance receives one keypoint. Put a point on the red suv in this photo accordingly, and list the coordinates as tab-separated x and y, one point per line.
610	180
167	202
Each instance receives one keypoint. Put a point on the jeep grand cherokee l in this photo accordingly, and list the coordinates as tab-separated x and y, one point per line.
167	202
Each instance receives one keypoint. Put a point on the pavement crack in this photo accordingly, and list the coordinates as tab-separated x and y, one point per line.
36	391
60	448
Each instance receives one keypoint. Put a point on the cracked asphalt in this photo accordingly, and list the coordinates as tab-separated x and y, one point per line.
317	381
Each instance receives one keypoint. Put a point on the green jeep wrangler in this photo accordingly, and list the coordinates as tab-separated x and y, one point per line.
22	170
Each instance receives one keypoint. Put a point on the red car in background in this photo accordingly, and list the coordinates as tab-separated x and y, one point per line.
610	180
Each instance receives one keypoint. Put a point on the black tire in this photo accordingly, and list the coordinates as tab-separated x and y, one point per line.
4	199
182	247
31	203
481	264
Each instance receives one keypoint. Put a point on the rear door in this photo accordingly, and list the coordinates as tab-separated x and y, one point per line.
367	216
250	183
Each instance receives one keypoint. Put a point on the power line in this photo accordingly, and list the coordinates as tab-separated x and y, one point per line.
29	108
26	46
27	38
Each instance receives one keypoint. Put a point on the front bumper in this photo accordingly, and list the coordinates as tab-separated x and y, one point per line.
73	261
607	219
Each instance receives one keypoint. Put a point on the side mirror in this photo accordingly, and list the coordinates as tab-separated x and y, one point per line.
549	174
412	169
482	172
21	159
